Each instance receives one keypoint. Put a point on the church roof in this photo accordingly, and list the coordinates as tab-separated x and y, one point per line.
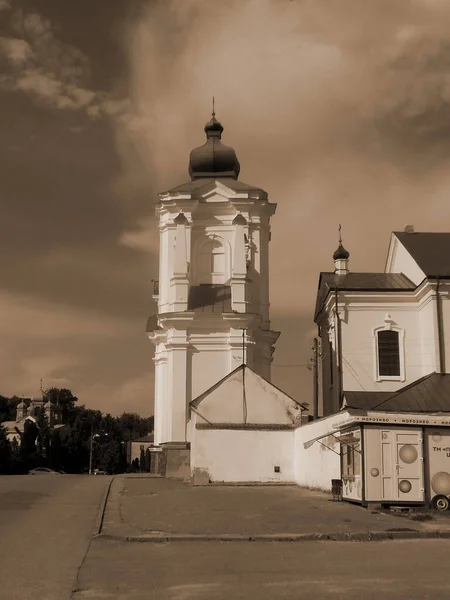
362	282
431	251
213	158
341	253
430	394
202	185
196	401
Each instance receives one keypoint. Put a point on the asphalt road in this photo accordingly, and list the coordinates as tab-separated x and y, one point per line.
46	525
394	570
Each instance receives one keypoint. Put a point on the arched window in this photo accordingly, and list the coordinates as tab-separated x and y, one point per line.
211	263
388	348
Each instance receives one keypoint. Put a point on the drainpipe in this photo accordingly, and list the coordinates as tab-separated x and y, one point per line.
338	349
316	379
440	330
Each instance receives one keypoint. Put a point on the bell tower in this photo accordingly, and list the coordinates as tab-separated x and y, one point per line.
213	289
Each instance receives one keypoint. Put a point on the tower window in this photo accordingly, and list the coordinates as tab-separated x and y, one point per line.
388	353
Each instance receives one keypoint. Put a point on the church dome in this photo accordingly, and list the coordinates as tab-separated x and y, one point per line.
341	253
21	405
213	159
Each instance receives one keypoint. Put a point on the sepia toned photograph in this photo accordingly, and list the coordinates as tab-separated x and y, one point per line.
224	299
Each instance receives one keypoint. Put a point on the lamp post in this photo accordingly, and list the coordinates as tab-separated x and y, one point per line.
90	449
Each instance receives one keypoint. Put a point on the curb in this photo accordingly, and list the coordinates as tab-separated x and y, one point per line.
101	513
300	537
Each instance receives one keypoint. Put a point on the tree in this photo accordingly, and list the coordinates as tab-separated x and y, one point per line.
5	452
28	443
43	437
133	426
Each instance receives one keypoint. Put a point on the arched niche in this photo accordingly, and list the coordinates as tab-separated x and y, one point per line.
211	261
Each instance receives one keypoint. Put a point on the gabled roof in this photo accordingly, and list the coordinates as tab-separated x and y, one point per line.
362	282
197	186
431	251
428	394
194	403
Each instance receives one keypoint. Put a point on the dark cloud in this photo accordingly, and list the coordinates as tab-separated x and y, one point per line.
339	110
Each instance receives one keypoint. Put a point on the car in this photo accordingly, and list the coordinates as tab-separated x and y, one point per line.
99	472
43	471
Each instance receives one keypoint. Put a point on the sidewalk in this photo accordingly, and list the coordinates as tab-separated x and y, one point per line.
145	508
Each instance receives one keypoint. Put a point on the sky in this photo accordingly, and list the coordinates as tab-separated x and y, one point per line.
339	110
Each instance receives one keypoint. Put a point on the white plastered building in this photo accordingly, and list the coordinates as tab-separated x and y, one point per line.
213	290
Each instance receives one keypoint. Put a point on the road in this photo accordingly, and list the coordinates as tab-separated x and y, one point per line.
395	570
46	525
47	553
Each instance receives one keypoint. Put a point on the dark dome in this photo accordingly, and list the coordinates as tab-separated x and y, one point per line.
341	253
213	159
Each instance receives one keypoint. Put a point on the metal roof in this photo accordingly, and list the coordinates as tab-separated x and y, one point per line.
201	184
431	251
362	282
364	400
208	297
428	394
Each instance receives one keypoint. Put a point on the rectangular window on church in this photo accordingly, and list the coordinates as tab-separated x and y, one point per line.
388	354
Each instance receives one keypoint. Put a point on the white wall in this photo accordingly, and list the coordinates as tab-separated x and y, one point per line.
400	261
207	366
359	349
317	465
444	290
244	455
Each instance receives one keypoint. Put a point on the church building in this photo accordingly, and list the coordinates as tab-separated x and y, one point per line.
384	352
213	326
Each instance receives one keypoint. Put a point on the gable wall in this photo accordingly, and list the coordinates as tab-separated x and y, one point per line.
403	262
261	403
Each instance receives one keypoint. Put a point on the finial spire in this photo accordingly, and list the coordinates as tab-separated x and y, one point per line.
213	111
340	236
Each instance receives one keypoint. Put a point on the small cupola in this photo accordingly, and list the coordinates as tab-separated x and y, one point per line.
341	258
213	159
21	411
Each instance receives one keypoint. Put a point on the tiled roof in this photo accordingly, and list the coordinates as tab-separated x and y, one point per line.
431	251
362	282
428	394
210	298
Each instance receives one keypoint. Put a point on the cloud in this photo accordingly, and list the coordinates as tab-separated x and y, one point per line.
48	321
132	395
339	110
145	237
44	340
53	73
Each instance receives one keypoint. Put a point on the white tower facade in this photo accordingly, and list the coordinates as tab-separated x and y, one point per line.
213	296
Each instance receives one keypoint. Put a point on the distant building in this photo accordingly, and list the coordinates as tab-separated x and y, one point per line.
134	447
31	411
